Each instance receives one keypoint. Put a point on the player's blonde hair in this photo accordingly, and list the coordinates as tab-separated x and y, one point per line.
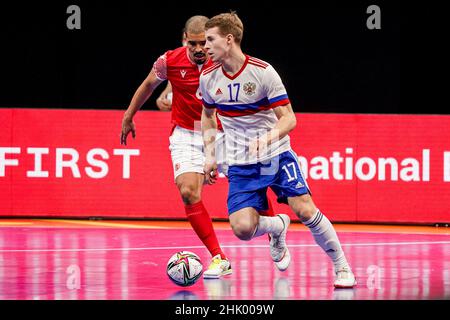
228	23
195	24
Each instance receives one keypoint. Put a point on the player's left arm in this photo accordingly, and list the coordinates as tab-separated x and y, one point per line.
278	98
163	102
286	123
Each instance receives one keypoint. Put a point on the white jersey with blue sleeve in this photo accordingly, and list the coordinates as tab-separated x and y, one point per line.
244	104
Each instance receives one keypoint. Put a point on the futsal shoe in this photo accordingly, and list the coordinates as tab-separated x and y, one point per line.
278	248
345	278
218	267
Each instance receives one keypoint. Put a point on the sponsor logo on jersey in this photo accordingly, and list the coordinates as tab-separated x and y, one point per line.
183	73
299	185
177	167
249	88
218	92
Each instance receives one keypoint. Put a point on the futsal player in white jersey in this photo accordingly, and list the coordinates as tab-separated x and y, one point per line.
256	115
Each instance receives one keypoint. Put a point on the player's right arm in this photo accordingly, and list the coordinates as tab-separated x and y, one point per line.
141	95
209	131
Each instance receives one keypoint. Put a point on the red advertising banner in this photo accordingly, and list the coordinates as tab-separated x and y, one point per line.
360	168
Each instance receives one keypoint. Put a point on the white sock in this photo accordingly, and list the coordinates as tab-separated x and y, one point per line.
268	225
326	237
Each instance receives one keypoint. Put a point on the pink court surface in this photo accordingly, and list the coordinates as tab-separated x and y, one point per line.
126	260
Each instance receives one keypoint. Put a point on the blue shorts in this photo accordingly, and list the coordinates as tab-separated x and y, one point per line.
248	183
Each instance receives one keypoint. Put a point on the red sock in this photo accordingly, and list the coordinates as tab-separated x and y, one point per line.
202	225
269	212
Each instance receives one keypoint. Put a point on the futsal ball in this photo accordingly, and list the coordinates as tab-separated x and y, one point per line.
184	268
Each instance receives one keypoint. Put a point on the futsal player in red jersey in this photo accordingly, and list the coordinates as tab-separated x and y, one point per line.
182	67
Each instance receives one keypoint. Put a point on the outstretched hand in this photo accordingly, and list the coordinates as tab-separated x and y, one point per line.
127	127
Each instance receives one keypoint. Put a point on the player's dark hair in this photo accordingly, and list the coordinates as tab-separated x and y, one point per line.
195	24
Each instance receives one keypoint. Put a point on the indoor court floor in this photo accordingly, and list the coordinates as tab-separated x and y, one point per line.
42	259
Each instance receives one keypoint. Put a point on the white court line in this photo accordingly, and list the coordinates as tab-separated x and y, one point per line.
224	246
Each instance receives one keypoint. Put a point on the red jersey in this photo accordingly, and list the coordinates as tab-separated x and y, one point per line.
183	74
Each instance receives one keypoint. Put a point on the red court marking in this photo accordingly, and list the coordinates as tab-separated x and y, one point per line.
127	259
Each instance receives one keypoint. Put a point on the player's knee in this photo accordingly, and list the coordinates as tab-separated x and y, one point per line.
244	230
304	207
243	235
307	213
189	194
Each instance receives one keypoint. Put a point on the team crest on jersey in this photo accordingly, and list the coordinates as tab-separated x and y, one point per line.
249	88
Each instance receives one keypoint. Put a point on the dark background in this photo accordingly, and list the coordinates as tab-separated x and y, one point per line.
328	59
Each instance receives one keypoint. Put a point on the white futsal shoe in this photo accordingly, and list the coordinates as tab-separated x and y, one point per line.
345	278
218	267
278	248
